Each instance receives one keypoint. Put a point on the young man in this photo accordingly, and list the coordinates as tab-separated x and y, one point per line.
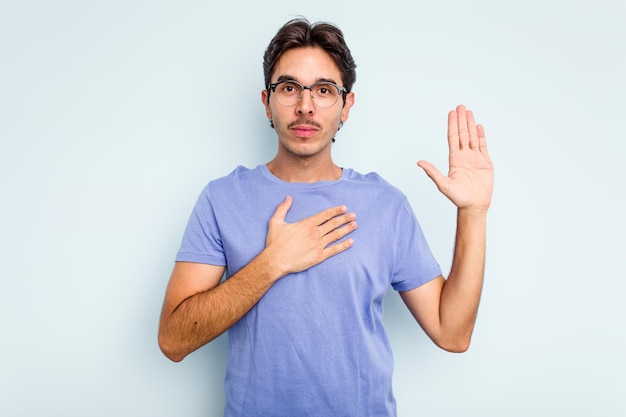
305	282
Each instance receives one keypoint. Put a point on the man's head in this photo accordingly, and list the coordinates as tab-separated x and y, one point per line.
309	72
300	33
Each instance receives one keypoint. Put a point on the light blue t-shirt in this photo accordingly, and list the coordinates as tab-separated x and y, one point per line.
314	345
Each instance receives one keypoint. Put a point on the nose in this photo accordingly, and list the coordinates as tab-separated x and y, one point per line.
305	103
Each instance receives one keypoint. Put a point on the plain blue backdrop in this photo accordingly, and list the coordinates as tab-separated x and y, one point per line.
114	115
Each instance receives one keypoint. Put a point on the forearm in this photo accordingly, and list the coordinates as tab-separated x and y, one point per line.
461	292
197	308
204	316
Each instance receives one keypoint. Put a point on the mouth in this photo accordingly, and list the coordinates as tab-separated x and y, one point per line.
304	131
304	128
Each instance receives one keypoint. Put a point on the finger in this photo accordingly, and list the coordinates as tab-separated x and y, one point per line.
473	132
453	131
337	248
336	222
283	209
434	174
482	139
325	215
339	233
461	114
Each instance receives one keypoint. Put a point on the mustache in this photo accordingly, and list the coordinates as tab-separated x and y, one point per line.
304	121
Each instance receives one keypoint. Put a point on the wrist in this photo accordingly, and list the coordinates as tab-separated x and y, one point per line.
270	263
472	213
474	210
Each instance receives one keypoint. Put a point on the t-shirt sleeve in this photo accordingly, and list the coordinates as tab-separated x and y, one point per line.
415	264
202	242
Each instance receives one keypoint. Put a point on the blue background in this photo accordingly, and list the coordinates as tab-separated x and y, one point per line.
114	114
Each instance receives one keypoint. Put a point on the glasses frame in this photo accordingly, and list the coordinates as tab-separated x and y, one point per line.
342	91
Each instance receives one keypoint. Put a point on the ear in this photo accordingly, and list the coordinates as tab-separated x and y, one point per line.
345	111
265	98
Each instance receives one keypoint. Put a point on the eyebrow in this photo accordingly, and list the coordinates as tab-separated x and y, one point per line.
292	78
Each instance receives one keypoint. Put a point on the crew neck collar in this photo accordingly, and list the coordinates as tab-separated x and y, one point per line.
325	183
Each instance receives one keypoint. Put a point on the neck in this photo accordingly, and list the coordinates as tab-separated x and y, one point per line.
304	170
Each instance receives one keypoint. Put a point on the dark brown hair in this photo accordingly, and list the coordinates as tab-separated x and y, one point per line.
300	33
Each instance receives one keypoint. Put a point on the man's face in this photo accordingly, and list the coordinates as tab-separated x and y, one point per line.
305	129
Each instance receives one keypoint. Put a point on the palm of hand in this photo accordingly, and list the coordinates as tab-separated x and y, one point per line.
469	183
470	179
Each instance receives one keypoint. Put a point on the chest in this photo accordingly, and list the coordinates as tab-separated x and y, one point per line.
368	264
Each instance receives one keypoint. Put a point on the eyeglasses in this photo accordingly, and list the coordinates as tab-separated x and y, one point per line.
324	94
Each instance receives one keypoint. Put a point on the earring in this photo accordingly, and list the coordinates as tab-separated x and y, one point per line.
272	123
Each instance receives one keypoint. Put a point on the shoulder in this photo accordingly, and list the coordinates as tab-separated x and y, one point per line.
235	175
374	183
240	175
371	178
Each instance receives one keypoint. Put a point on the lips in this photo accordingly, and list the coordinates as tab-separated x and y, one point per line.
304	131
304	128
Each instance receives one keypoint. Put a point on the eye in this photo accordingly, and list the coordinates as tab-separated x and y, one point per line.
324	90
289	88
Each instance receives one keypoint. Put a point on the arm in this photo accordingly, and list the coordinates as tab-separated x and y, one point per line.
446	309
197	308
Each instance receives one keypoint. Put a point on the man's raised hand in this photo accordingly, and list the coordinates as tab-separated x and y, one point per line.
469	184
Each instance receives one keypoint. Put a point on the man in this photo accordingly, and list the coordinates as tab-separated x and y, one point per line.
304	286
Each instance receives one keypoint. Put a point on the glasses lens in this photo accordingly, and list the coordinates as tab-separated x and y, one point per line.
325	94
288	93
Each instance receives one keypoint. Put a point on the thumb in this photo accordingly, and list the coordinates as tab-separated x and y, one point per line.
434	174
282	209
